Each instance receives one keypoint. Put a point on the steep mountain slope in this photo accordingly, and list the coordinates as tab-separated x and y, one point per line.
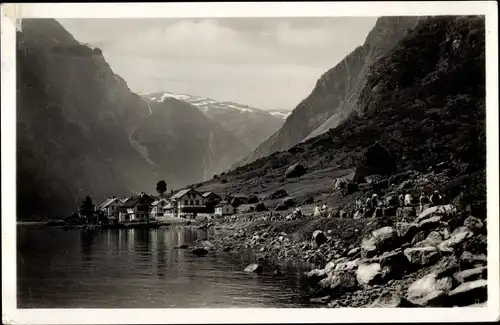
251	125
334	96
424	113
81	131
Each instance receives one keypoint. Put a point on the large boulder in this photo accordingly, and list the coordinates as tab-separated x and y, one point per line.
446	266
406	231
252	199
396	261
259	207
474	224
476	244
472	274
348	265
455	240
254	268
468	293
200	251
433	239
468	259
379	240
429	291
337	284
354	252
316	275
278	194
390	299
374	160
289	201
319	237
443	210
422	256
429	223
369	274
281	207
295	170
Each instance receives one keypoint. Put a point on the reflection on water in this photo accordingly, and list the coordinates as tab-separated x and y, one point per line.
138	268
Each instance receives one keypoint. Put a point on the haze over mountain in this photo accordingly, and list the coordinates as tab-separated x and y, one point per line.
81	131
251	125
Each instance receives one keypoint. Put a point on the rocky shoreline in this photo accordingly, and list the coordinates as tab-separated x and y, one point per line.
436	258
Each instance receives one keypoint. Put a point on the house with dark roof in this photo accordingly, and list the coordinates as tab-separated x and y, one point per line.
135	209
187	203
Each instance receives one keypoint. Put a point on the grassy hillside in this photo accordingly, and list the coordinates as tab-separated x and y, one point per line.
424	101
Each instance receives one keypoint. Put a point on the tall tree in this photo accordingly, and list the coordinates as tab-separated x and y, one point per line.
161	187
87	207
144	205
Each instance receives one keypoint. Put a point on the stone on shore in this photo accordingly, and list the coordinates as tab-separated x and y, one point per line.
467	259
378	241
369	274
443	210
429	291
469	293
474	224
406	231
295	170
254	268
472	274
337	283
422	256
429	223
390	299
455	240
319	237
200	251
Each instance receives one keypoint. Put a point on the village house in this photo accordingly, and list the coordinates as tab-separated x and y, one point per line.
188	203
224	208
110	208
132	211
161	209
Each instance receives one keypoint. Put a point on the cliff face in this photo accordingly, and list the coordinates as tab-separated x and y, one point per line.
81	131
334	97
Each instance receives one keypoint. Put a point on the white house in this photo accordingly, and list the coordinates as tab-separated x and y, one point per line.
187	203
110	207
161	209
224	208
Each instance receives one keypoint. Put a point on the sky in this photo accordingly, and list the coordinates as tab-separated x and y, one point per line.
267	63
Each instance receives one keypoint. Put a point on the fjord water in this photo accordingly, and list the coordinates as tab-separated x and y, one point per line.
138	268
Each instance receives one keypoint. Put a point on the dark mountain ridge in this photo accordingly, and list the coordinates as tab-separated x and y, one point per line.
81	131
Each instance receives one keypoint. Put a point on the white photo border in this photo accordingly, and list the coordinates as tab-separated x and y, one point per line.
11	12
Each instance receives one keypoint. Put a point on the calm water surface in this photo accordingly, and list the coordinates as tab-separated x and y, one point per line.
135	268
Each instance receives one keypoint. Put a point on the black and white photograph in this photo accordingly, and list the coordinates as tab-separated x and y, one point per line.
183	160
